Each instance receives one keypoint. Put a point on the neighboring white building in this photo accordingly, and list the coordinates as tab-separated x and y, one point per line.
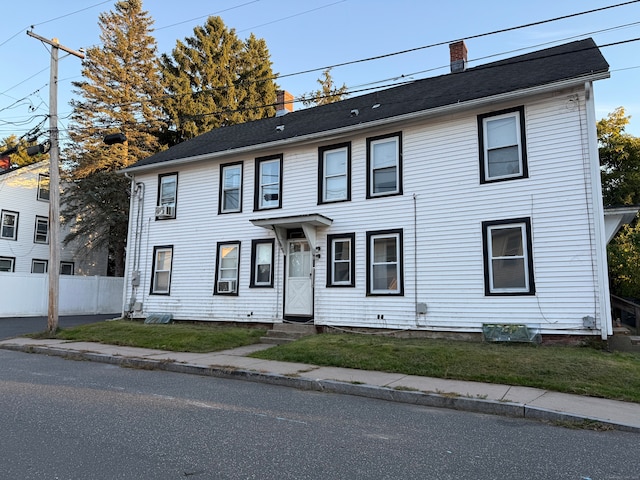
24	227
441	205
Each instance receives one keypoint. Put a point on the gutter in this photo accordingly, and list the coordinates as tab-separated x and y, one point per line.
423	114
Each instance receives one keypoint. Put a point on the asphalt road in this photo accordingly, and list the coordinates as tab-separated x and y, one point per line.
64	419
16	326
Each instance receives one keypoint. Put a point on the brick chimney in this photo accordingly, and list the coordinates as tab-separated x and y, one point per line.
284	103
458	55
5	163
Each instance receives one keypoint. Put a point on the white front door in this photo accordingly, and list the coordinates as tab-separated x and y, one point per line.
299	288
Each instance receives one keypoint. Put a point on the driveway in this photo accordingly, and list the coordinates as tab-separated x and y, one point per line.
15	326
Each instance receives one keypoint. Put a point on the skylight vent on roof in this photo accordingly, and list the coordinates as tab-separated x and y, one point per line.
280	128
375	105
355	112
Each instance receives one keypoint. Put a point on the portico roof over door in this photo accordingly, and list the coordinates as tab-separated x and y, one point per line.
308	224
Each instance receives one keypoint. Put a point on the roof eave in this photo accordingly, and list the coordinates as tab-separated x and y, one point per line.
423	114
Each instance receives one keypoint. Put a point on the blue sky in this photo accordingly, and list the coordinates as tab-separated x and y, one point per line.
313	34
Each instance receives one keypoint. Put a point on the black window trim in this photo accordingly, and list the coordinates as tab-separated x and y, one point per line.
17	216
254	250
221	210
523	144
215	284
352	252
256	195
12	260
321	177
369	255
153	270
175	203
399	190
486	259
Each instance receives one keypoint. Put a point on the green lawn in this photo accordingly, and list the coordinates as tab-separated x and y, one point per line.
578	370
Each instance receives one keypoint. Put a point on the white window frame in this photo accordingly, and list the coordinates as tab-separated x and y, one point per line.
41	189
227	271
262	203
256	246
11	262
396	286
38	235
372	168
332	240
491	257
43	263
162	269
4	224
226	188
326	153
484	121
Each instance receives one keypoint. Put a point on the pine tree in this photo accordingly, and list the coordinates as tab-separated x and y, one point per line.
328	92
118	94
214	79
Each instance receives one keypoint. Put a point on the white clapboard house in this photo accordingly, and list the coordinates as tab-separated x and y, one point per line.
444	205
24	227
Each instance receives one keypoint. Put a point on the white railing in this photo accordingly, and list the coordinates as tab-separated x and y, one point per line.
27	295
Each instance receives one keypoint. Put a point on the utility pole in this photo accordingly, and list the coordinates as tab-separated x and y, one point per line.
54	182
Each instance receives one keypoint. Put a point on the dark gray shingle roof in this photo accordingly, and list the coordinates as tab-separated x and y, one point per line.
565	62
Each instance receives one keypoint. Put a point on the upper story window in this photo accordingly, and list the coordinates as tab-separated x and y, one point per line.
268	182
502	145
43	187
341	261
7	264
9	225
167	196
230	188
384	165
41	233
508	264
262	263
227	266
334	173
161	270
384	263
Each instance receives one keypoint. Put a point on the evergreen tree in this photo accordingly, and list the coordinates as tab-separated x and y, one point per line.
328	92
214	79
118	94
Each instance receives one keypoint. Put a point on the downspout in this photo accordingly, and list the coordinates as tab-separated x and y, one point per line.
415	259
606	326
137	191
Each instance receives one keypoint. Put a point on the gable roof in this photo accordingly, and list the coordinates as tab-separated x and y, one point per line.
572	62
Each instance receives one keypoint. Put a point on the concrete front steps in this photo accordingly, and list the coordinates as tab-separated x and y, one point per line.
623	341
287	332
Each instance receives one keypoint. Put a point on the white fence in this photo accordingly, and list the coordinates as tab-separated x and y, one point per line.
27	295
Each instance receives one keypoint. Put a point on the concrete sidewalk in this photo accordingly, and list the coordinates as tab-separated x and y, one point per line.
489	398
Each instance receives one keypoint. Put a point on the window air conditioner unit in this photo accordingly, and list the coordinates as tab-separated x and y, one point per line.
226	286
165	211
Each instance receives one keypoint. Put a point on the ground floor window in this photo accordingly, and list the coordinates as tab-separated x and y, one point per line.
262	263
340	263
161	270
508	263
227	263
7	264
66	268
39	266
384	263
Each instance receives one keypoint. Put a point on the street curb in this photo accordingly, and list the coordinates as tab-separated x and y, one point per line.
427	399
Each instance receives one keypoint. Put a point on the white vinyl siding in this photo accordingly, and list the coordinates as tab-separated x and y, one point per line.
440	213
